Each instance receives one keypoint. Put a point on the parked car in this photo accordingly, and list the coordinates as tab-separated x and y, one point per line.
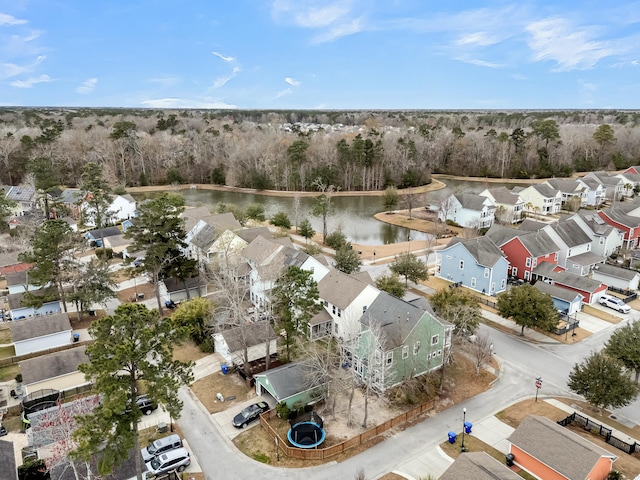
250	414
178	459
615	303
160	446
145	404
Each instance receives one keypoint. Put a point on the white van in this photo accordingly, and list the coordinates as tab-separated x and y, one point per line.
158	447
178	459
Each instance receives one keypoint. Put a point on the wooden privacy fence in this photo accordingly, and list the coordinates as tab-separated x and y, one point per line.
601	430
333	450
4	362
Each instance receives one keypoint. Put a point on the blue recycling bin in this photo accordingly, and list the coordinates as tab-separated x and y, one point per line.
225	368
467	427
76	337
452	437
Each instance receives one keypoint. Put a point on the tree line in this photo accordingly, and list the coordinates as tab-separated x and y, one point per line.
295	150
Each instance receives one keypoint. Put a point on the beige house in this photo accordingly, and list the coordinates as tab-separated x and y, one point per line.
57	371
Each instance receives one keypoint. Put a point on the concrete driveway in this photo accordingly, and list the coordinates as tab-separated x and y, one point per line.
224	419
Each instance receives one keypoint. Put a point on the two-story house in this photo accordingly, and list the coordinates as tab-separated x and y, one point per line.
476	263
617	217
399	341
122	207
540	198
575	247
509	205
345	298
613	185
570	189
468	210
605	238
24	198
631	182
596	192
524	250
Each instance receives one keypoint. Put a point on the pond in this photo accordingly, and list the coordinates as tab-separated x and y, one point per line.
352	215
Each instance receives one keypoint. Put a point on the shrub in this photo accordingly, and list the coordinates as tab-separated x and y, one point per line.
102	251
336	240
281	219
283	410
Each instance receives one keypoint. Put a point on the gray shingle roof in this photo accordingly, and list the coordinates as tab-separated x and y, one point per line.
545	190
617	272
500	234
570	233
260	249
556	446
104	232
529	225
576	281
205	237
70	196
538	243
250	234
339	288
16	278
546	269
571	187
504	196
586	258
8	461
247	335
395	317
478	466
595	223
288	380
557	292
40	326
483	250
619	216
194	215
53	365
472	201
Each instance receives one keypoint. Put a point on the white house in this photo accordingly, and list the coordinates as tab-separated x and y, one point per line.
606	238
254	336
19	312
122	208
345	298
41	333
18	282
631	182
617	277
570	189
24	198
540	198
509	205
613	186
468	210
596	193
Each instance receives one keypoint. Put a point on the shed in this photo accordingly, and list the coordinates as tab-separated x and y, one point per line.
177	289
58	371
291	384
547	450
41	333
231	343
565	300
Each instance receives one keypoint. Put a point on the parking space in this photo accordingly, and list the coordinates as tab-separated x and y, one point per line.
224	419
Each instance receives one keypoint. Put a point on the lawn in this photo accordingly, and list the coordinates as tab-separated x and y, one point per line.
7	352
9	372
5	335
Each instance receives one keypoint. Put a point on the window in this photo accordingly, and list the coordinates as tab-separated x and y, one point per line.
461	264
439	353
588	247
334	309
473	282
601	240
535	262
416	347
503	284
405	351
555	257
325	303
486	273
364	309
528	262
435	339
378	357
526	275
514	271
339	312
389	358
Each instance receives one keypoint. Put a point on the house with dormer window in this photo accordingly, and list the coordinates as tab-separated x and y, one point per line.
509	205
468	210
540	198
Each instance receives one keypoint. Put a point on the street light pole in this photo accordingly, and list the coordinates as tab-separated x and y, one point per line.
464	420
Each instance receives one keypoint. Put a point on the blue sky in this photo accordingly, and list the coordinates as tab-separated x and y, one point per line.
320	54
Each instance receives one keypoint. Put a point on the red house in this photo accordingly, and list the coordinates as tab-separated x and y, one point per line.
629	225
524	250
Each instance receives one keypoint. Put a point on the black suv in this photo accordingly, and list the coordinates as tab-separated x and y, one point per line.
145	404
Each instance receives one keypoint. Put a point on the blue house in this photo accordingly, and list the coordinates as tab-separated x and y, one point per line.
565	300
476	263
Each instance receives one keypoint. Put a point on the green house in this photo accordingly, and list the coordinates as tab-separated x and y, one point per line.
292	384
398	341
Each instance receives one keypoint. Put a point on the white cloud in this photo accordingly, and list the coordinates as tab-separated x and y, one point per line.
570	47
10	20
339	31
167	81
222	81
518	76
292	81
30	82
480	39
224	58
87	86
171	102
8	70
320	17
282	93
480	63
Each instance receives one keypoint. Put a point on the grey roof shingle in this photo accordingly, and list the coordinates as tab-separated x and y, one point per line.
538	243
483	250
570	187
8	461
247	335
194	215
472	201
288	380
16	278
617	272
70	196
595	223
53	365
40	326
500	234
548	442
557	292
545	190
260	249
104	232
570	233
586	258
339	288
619	216
478	466
529	225
576	281
504	196
21	194
250	234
